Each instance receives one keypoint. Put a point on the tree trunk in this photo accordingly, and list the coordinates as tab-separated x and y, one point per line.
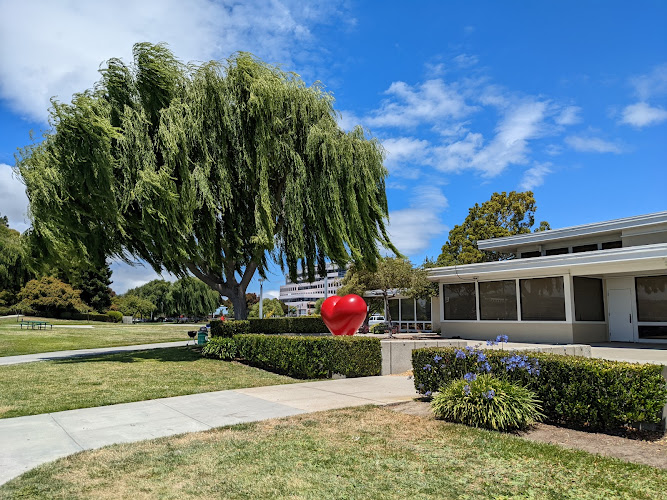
238	301
387	315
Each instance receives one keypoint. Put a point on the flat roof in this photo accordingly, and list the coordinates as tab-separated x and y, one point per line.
618	260
595	228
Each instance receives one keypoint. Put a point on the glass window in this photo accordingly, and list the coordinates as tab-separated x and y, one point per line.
612	244
585	248
497	300
542	299
528	255
393	309
556	251
588	299
423	310
407	309
652	298
460	301
652	332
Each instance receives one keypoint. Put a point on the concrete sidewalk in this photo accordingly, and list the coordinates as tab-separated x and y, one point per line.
46	356
30	441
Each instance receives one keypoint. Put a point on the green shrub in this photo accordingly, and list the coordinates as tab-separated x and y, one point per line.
487	402
299	324
220	348
380	328
228	328
5	311
311	357
575	391
115	316
90	317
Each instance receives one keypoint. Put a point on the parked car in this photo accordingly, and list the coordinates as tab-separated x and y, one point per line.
375	319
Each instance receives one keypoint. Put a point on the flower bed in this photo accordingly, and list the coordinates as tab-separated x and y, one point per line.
574	391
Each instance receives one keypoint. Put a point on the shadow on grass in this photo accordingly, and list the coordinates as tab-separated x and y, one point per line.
173	354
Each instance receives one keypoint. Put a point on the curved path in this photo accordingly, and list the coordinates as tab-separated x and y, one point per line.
46	356
31	441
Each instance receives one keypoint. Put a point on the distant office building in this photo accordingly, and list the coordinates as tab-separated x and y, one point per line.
302	295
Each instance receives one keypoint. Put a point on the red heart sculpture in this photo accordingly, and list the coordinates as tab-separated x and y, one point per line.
343	315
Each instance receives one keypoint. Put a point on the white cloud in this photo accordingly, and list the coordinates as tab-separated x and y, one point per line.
347	120
13	200
652	84
430	102
569	116
55	48
403	154
643	114
125	276
466	60
534	176
589	144
412	229
271	294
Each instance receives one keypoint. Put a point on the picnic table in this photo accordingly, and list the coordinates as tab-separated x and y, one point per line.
40	325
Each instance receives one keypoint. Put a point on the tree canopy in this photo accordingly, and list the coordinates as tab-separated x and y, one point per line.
505	214
49	296
393	276
14	269
206	169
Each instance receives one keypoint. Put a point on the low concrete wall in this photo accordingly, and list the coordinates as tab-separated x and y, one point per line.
518	331
397	354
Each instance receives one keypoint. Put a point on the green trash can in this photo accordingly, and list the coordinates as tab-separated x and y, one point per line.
201	338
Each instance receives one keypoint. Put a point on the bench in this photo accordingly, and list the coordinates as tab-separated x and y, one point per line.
40	325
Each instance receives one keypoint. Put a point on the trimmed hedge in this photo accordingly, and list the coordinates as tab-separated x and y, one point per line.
115	316
302	324
575	391
311	357
229	328
220	348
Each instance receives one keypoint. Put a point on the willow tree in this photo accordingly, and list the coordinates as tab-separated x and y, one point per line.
212	170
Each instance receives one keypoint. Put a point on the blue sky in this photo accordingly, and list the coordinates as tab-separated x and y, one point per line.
568	99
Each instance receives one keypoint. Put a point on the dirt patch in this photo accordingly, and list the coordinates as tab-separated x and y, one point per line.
653	453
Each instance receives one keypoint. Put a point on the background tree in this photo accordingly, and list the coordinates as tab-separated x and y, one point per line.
50	297
14	266
94	285
505	214
393	276
250	299
207	169
157	292
318	305
133	305
271	308
190	297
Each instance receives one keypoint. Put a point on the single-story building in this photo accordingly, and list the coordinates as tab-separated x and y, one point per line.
599	282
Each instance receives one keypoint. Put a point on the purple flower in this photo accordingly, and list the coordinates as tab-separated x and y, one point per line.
490	394
469	348
486	367
428	394
421	386
491	342
460	354
437	358
427	368
466	390
470	377
481	357
502	338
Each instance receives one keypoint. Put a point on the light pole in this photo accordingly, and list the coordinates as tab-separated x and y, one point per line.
261	298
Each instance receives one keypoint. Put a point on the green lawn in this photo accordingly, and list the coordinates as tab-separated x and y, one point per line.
364	453
50	386
14	341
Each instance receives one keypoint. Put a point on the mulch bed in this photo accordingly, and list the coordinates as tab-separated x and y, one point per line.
646	449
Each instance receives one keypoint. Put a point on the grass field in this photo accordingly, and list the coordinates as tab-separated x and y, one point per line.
359	453
50	386
67	335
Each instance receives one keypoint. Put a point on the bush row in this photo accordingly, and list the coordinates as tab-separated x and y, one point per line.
305	324
575	391
302	357
110	317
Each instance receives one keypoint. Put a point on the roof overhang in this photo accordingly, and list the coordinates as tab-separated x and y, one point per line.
639	259
616	226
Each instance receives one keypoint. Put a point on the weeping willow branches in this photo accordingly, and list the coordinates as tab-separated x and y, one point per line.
209	169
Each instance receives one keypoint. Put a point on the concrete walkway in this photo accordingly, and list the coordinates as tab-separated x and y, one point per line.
46	356
30	441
